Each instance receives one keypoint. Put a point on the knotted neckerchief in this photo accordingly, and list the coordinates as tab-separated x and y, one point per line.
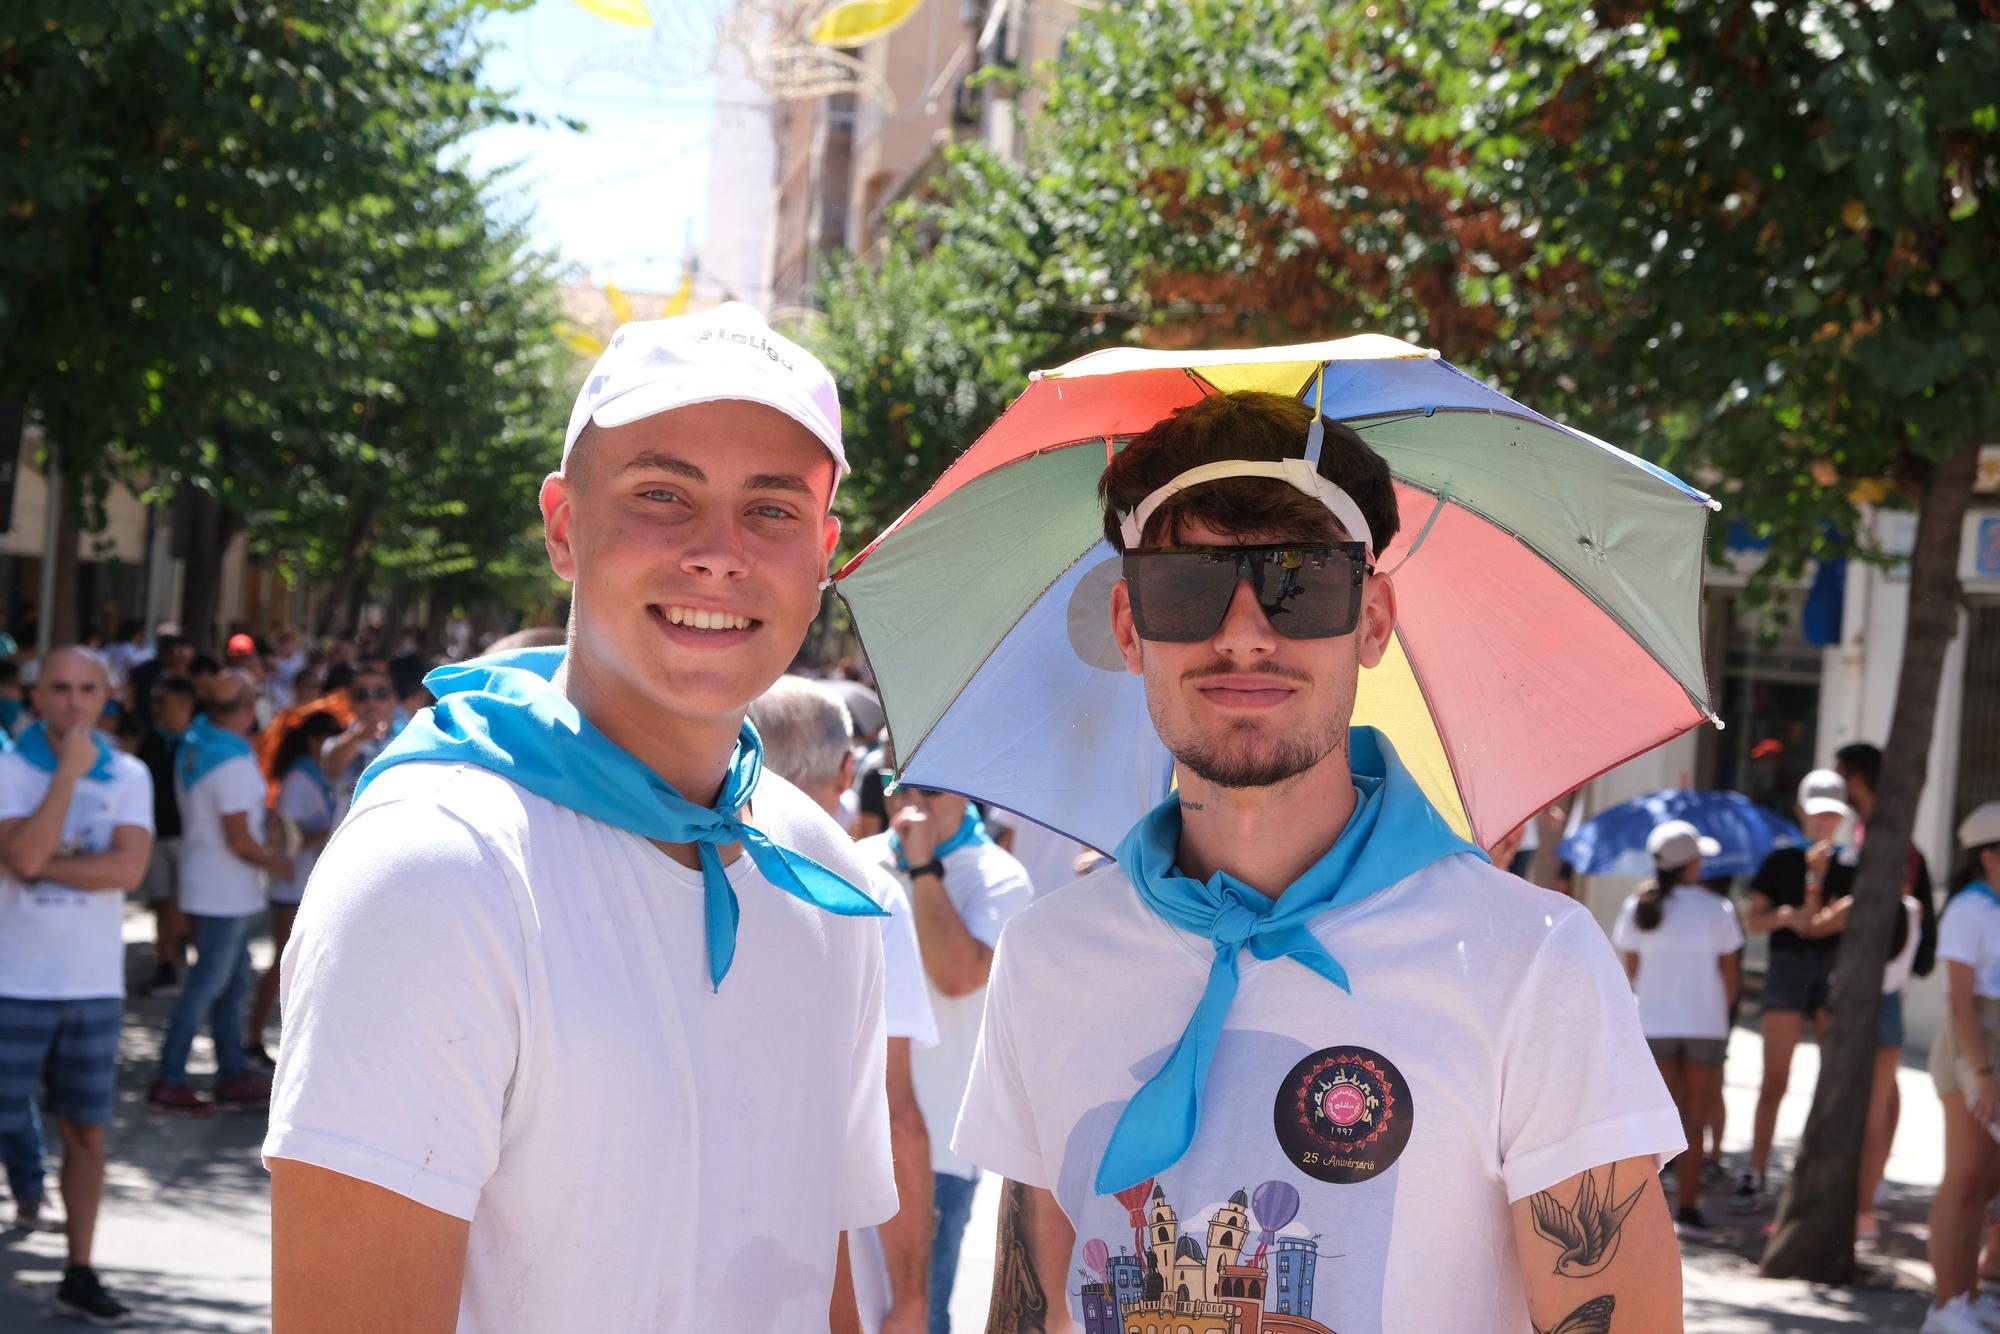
204	748
971	830
33	743
504	714
1393	833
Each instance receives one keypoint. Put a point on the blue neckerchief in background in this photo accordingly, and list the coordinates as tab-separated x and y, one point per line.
504	714
10	713
971	830
1981	887
203	748
33	743
170	735
1393	833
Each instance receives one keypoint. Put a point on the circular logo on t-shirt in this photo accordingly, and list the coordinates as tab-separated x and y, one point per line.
1343	1114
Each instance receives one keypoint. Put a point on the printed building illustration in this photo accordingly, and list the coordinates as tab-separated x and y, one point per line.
1182	1286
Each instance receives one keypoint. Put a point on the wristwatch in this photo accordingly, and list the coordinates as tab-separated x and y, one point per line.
932	867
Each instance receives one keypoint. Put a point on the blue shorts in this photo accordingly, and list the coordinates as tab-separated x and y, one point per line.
75	1042
1889	1021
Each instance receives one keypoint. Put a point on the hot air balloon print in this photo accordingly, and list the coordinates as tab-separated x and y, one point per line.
1274	1205
1134	1200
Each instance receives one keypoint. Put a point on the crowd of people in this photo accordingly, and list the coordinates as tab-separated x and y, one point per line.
625	986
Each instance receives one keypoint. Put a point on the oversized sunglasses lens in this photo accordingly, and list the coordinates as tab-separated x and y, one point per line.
1180	595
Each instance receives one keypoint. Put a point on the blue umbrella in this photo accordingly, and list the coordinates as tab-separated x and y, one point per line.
1614	841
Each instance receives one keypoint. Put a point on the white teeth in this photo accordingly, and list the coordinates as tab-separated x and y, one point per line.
697	619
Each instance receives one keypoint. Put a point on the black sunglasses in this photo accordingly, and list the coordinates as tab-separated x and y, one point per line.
1181	595
372	692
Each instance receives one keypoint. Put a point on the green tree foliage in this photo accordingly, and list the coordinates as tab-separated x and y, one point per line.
1790	212
231	247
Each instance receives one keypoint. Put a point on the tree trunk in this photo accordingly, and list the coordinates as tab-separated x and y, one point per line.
62	611
1814	1235
212	528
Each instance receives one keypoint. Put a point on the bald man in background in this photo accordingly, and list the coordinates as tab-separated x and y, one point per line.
76	828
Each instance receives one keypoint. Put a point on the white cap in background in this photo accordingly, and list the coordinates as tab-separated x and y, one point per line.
1981	827
1824	792
1675	843
655	366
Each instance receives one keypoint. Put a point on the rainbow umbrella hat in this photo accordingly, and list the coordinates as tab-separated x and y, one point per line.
1548	591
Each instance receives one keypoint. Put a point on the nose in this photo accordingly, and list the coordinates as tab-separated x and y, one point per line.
1245	631
715	546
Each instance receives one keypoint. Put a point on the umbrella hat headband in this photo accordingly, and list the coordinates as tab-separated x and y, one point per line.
1302	474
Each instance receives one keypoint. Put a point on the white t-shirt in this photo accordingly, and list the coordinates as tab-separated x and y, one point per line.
1681	992
215	882
1896	975
309	804
501	1009
1490	1049
1969	933
987	887
59	943
906	991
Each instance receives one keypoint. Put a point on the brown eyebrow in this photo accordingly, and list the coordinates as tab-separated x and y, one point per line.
654	461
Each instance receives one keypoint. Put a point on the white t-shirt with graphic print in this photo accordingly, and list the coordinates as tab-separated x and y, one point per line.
1358	1154
501	1009
58	942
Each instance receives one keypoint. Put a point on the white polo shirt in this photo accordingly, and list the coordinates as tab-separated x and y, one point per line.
215	882
56	942
501	1009
1370	1144
1679	984
1969	933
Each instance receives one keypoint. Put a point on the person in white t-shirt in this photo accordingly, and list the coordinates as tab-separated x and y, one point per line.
1964	1059
1680	940
224	860
76	828
1302	1058
963	888
584	1013
808	741
306	807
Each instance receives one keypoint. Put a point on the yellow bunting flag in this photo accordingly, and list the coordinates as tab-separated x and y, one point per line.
632	13
856	21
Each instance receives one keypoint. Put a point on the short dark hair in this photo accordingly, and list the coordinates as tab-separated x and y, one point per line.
177	685
1262	428
407	672
1861	760
202	662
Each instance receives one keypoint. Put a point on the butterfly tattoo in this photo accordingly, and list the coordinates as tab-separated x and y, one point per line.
1593	1317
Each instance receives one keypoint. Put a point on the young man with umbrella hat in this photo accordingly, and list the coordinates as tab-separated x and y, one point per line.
584	1012
1302	1048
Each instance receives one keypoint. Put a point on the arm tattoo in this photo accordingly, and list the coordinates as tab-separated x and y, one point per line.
1593	1317
1586	1232
1019	1304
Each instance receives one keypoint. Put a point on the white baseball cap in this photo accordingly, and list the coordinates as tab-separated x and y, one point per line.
1824	792
655	366
1981	827
1675	843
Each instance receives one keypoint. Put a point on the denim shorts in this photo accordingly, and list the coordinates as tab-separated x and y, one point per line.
1889	1021
75	1042
1695	1051
1796	981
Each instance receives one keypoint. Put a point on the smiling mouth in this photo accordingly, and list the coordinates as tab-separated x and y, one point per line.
713	622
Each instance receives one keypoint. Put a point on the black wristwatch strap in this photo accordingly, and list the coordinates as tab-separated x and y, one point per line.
931	867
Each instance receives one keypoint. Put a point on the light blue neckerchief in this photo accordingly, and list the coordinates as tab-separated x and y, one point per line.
504	714
1981	887
204	748
33	743
971	830
1393	833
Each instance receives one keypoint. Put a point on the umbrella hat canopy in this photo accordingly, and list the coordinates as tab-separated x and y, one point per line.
1548	590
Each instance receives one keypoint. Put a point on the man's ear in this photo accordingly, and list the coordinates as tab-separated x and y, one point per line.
1124	630
1378	619
557	513
829	539
845	779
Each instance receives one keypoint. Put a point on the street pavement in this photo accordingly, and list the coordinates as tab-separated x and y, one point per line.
184	1237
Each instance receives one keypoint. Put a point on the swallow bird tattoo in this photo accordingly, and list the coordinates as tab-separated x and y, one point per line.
1587	1231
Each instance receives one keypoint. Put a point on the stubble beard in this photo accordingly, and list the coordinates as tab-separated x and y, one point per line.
1245	755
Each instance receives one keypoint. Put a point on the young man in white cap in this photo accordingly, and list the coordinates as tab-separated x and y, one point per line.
584	1012
809	741
1413	1094
1789	898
